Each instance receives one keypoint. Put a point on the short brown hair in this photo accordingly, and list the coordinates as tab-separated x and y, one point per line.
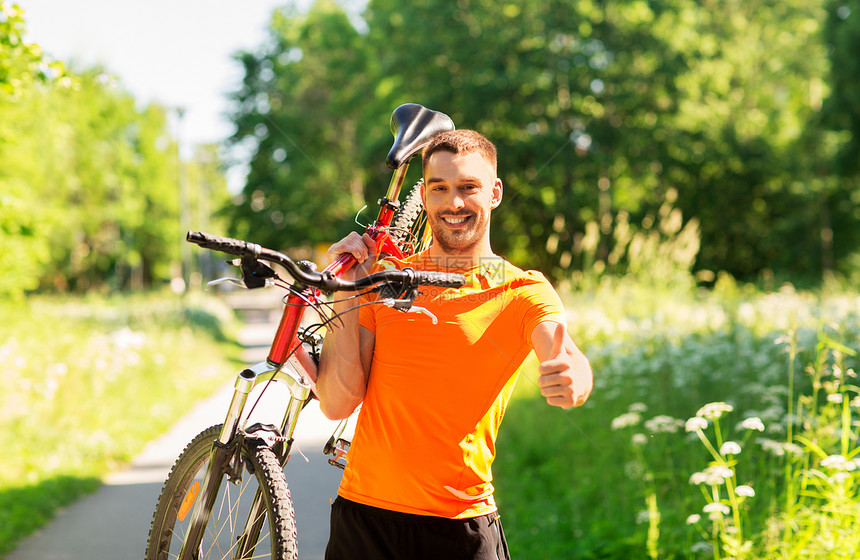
461	142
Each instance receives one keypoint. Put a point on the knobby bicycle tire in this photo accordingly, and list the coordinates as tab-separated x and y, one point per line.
409	221
261	469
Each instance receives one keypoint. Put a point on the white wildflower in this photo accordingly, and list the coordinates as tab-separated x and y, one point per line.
753	423
714	410
664	424
698	478
839	477
712	476
772	446
793	449
125	338
730	448
643	516
625	420
634	470
693	519
717	507
717	474
695	424
745	491
639	439
838	462
835	398
637	407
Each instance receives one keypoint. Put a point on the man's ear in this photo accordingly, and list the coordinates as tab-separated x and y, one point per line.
496	197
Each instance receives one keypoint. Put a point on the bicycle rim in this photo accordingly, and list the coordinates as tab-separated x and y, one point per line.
261	473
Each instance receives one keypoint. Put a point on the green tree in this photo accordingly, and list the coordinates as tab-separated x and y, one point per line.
841	115
102	178
599	109
24	247
299	112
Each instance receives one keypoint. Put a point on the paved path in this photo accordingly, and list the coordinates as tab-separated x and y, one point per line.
113	523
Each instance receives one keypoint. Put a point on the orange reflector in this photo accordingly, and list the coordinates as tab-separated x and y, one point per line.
188	502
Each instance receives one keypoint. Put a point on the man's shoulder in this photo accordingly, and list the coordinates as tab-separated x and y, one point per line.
517	275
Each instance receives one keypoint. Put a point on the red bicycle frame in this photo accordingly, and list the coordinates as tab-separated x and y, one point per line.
413	126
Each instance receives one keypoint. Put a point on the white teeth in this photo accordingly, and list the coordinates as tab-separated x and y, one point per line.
455	220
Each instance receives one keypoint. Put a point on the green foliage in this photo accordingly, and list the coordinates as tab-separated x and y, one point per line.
97	370
24	247
599	111
91	197
842	107
21	62
88	180
612	479
298	109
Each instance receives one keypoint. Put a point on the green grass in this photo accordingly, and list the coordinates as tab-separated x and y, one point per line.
571	486
87	382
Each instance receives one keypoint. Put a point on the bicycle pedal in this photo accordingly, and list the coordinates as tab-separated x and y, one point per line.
339	449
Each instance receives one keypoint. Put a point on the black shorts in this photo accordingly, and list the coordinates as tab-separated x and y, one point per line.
360	532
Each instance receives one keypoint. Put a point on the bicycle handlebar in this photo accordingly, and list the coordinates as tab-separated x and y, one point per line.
323	280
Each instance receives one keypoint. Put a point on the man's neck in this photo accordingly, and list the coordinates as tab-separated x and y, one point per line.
461	259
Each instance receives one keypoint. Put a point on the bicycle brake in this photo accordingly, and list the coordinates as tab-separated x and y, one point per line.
256	274
405	305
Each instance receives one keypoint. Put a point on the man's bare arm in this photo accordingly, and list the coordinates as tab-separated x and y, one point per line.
348	349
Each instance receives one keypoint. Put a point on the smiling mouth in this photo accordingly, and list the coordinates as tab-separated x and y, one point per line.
456	221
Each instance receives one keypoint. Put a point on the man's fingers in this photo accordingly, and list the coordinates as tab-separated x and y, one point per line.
359	246
553	379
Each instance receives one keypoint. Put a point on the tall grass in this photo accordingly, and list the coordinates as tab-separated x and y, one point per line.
723	423
613	479
87	382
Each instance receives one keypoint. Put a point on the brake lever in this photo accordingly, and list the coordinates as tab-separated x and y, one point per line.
237	282
227	280
405	305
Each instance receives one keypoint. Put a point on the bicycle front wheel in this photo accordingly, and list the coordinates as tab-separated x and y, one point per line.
261	475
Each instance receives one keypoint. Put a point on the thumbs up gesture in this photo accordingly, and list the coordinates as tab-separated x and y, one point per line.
565	374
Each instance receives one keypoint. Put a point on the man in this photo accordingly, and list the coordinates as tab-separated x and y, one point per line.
418	479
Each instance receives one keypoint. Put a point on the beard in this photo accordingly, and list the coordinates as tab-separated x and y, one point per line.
459	241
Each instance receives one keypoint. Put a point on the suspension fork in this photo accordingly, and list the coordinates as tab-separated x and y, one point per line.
220	455
224	449
247	541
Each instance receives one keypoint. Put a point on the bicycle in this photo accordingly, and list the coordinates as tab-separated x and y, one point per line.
226	495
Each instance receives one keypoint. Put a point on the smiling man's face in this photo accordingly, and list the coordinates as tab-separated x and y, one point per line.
460	191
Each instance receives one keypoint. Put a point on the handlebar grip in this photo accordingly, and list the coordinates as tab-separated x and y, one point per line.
224	244
441	279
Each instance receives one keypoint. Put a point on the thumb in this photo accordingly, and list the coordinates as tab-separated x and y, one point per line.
557	340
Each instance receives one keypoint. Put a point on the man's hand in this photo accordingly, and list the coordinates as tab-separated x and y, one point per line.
362	247
565	375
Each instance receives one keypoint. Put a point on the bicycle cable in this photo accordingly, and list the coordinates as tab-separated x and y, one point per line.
324	324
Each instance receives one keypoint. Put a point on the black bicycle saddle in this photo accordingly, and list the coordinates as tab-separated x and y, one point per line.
413	126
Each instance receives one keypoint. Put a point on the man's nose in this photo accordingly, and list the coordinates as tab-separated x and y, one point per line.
456	201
